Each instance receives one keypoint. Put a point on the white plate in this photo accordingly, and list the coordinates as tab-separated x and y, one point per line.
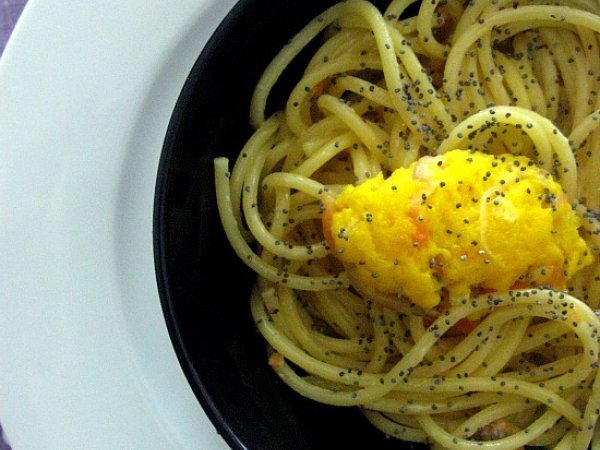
86	93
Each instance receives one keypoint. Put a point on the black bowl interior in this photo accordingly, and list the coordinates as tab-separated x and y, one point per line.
204	288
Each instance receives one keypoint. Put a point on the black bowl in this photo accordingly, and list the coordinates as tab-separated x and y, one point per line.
203	286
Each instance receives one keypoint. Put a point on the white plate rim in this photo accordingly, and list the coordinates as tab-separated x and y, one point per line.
87	90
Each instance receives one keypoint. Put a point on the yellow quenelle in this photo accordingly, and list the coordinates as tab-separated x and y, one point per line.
455	224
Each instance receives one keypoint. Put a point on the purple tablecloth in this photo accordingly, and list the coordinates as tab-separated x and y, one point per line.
10	10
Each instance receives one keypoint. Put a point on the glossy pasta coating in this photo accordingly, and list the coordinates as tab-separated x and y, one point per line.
512	362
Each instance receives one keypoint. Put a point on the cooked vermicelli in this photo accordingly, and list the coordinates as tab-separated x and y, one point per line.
423	218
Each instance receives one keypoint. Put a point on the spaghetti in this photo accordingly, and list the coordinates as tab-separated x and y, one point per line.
382	91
